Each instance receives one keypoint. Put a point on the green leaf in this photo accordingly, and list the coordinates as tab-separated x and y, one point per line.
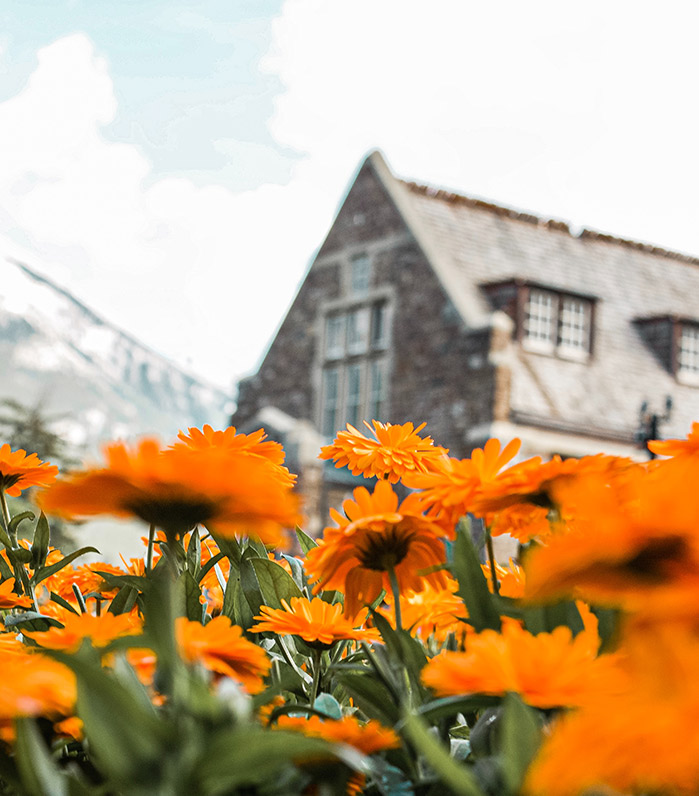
473	587
250	756
305	541
46	572
265	583
520	740
546	618
40	543
297	571
124	600
229	546
450	706
406	649
5	570
187	595
56	598
39	773
455	776
608	626
30	620
138	582
19	518
194	553
371	696
126	737
210	564
327	704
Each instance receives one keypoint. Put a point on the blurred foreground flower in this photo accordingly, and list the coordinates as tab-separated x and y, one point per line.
179	487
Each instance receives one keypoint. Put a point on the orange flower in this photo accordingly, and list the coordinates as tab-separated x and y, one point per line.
448	491
8	597
395	451
319	623
530	481
101	630
19	470
677	447
34	685
255	444
221	648
645	738
369	737
510	578
180	487
633	544
376	536
522	521
547	670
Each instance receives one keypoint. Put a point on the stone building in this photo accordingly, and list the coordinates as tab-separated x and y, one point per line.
483	321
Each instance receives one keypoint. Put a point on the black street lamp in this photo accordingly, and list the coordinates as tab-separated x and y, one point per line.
649	424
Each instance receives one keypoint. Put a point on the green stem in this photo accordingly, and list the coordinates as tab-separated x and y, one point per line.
393	579
6	518
149	553
79	597
491	559
317	655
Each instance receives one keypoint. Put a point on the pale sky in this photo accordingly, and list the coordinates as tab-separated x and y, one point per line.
176	165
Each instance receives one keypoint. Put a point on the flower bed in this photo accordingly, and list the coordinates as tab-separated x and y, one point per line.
236	657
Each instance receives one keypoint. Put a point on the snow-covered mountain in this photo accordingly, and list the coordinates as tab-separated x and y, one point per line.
106	384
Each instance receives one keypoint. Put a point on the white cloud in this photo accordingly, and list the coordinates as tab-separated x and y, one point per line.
585	113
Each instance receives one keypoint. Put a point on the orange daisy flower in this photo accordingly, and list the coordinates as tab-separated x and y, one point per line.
8	597
368	737
432	612
101	630
395	451
634	545
316	621
677	447
548	670
20	470
222	648
377	536
511	579
255	444
448	491
180	487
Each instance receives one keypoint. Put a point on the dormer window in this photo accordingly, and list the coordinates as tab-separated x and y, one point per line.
675	343
360	273
548	321
688	352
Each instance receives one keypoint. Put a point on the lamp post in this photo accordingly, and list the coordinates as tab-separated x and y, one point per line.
649	424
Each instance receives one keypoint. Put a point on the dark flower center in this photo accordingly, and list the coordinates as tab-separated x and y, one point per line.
656	561
176	515
384	551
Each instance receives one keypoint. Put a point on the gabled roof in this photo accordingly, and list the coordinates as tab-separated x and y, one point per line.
471	242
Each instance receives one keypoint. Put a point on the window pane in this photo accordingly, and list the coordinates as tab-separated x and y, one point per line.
574	324
358	331
335	336
377	391
538	318
379	331
361	271
329	411
688	354
354	395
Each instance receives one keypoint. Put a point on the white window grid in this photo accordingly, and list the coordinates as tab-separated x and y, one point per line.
352	393
574	324
330	402
358	330
539	317
688	351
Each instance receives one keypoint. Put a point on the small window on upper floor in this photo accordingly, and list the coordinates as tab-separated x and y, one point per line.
556	323
360	275
688	353
358	330
335	336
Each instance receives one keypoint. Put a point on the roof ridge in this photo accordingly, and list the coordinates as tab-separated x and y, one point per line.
551	223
